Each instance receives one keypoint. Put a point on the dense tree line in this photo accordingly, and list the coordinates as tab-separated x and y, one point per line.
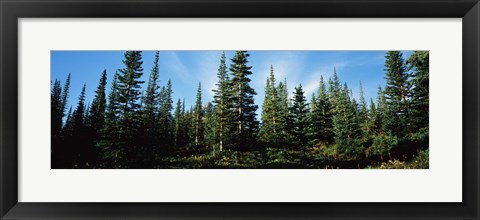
132	128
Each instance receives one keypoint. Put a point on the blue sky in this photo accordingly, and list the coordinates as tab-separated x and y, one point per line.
187	68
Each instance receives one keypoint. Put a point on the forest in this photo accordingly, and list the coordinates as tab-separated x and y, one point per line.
138	125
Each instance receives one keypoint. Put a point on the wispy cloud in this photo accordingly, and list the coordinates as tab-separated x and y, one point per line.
207	72
176	66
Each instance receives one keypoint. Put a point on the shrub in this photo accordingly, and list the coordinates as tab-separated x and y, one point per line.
382	144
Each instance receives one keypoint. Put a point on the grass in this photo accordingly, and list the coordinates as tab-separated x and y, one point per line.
317	157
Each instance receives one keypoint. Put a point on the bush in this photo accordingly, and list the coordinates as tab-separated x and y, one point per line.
420	161
382	145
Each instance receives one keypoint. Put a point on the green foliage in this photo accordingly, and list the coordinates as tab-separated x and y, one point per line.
270	129
298	120
243	103
321	126
420	161
418	63
136	129
222	100
381	145
198	118
396	94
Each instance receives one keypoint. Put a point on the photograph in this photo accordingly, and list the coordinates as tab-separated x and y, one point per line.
225	109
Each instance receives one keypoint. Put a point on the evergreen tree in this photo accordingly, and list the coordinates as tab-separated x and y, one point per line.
396	93
113	152
65	92
270	112
373	119
282	122
418	63
166	126
99	104
210	127
178	123
150	116
321	129
56	125
94	121
299	120
79	138
334	87
244	108
198	114
345	124
56	109
222	100
363	113
383	114
129	86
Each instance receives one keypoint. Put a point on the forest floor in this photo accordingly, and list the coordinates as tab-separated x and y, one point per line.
271	158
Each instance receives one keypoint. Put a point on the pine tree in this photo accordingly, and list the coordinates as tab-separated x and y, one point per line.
363	113
79	138
56	109
373	119
321	129
65	92
99	104
383	114
244	108
129	86
396	93
210	127
152	94
299	120
222	100
418	63
282	122
94	120
56	125
345	124
165	123
270	112
198	118
113	152
334	87
150	116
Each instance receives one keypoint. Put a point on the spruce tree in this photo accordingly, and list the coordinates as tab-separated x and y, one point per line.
150	116
210	127
222	100
396	93
56	125
178	122
99	104
418	64
78	148
56	109
270	112
282	122
299	120
373	119
198	117
129	86
165	122
345	124
94	121
363	113
65	92
113	153
321	128
244	108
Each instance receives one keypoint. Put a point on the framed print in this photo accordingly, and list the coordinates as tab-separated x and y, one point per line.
226	109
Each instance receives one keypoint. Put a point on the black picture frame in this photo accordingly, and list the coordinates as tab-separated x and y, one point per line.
12	10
